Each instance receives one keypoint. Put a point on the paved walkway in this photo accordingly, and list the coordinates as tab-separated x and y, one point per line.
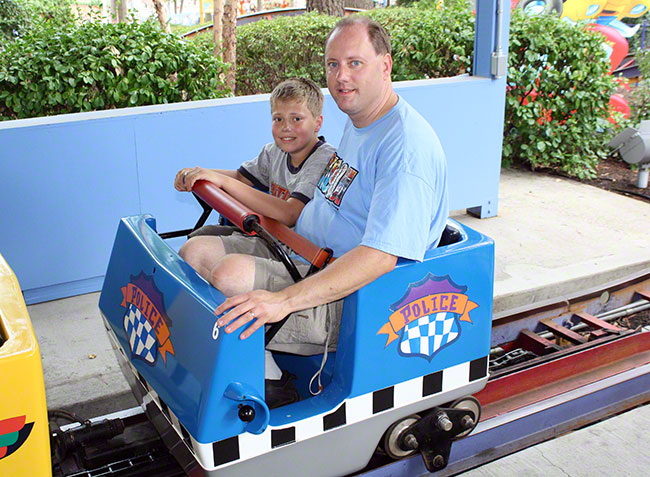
617	447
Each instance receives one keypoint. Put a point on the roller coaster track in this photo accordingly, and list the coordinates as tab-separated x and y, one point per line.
571	362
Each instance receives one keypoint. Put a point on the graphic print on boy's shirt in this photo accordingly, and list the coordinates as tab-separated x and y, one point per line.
336	180
279	191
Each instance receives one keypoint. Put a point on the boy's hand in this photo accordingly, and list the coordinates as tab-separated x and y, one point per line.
185	178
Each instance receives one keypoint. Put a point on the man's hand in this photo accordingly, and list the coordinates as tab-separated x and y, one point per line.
347	274
259	305
186	177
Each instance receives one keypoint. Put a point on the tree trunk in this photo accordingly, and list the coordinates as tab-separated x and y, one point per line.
328	7
175	7
161	11
230	41
260	5
120	10
363	4
217	27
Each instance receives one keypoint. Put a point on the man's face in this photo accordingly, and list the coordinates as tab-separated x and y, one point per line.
357	77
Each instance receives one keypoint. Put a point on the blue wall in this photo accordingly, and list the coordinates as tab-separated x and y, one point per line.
68	179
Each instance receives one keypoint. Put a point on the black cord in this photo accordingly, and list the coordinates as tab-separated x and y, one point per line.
637	194
61	414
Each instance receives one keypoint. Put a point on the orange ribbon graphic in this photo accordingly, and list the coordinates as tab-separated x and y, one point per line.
428	305
133	295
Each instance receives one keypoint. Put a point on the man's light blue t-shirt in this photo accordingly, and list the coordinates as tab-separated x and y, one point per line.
386	188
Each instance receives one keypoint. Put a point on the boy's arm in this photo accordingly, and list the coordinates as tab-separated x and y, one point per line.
183	182
284	211
235	175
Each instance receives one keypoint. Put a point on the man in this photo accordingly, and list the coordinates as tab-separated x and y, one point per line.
382	197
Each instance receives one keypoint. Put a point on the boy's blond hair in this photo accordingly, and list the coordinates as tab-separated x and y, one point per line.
302	90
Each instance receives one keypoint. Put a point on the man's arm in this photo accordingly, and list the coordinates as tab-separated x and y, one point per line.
347	274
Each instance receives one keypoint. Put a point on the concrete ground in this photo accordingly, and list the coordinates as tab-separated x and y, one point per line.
554	237
616	447
81	372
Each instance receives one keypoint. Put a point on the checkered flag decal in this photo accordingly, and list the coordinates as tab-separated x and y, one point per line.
428	334
142	338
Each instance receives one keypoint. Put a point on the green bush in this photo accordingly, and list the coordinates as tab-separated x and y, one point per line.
17	17
66	68
639	96
643	61
57	12
565	66
270	51
639	101
427	43
13	19
69	68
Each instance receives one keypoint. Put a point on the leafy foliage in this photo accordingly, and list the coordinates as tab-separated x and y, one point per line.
13	18
639	96
17	17
70	68
270	51
57	12
643	60
557	97
639	101
427	43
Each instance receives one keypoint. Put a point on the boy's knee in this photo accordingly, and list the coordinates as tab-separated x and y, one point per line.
202	253
233	274
191	252
186	250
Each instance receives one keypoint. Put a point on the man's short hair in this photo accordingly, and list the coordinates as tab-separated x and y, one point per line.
377	34
302	90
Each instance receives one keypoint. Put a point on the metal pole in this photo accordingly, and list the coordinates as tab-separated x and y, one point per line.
642	177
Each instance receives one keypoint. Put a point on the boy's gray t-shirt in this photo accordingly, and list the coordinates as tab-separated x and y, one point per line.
272	171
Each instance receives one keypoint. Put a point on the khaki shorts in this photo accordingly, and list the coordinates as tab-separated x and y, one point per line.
306	331
214	230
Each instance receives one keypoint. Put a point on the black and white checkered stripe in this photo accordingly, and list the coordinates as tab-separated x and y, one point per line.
246	446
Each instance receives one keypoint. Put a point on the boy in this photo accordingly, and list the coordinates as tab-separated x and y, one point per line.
288	169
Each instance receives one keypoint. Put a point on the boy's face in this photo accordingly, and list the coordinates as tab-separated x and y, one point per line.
295	129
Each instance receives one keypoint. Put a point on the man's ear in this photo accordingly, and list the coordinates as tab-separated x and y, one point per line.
387	65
